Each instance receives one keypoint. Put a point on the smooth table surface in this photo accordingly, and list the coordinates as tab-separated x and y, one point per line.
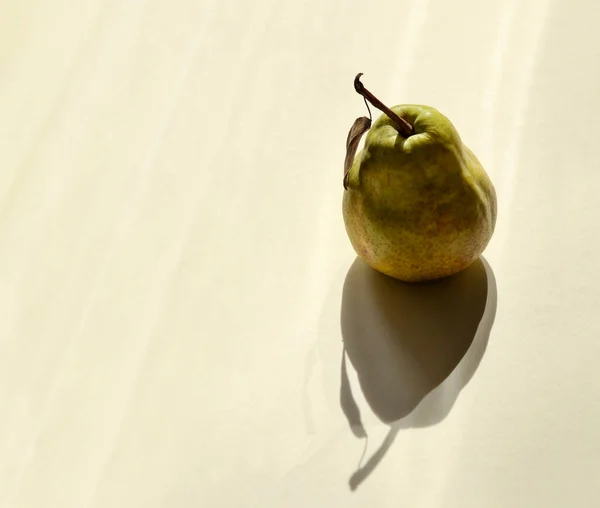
177	288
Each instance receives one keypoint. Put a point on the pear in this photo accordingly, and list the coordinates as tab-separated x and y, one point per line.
417	204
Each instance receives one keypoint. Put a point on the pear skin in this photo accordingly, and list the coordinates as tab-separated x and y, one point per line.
418	207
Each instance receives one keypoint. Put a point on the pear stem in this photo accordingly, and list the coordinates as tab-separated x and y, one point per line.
404	127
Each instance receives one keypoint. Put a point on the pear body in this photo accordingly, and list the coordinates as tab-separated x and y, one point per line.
420	207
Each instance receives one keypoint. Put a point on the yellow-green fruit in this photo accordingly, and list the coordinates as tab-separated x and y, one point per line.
420	207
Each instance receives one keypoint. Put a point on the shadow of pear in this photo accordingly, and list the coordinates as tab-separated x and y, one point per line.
414	346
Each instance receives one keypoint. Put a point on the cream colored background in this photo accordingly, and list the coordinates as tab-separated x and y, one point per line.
172	252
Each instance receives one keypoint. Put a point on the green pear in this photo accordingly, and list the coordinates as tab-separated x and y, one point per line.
418	205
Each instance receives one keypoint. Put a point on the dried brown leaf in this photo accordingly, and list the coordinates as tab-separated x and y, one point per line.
359	127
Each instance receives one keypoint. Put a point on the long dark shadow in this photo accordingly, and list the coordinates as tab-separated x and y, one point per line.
414	346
